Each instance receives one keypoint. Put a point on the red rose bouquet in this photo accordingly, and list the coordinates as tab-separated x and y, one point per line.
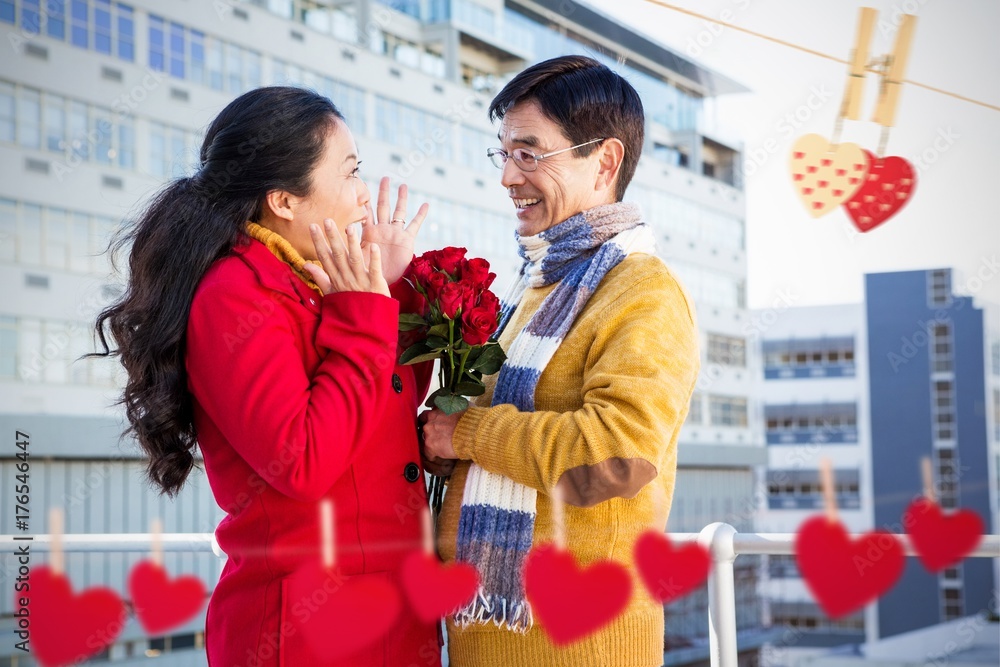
458	314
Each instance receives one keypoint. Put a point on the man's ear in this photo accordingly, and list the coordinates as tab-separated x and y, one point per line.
281	204
612	152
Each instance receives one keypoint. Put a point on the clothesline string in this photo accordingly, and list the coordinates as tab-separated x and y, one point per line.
667	5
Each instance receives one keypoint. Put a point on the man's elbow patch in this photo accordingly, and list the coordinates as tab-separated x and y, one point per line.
588	485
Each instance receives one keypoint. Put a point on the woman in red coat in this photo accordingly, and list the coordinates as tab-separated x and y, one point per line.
255	327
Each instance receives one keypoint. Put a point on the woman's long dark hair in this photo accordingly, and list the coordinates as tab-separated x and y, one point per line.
267	139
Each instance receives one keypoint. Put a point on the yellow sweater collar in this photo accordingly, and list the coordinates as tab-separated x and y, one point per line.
283	250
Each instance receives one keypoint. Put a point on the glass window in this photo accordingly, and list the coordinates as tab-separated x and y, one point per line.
157	44
79	258
102	133
80	23
126	32
214	61
56	238
8	346
7	11
55	19
7	101
253	65
31	21
102	26
126	143
31	234
8	230
55	123
78	139
234	68
197	61
157	150
177	49
29	109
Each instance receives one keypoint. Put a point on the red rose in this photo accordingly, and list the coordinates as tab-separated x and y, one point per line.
449	259
419	271
435	281
477	272
490	301
450	298
478	325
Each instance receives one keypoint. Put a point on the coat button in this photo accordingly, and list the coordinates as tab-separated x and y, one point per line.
411	472
397	383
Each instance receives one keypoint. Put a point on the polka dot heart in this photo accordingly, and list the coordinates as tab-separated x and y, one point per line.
826	176
887	187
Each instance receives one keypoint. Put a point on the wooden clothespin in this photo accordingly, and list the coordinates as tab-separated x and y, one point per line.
893	73
326	533
156	539
826	481
558	518
851	105
56	559
928	475
428	524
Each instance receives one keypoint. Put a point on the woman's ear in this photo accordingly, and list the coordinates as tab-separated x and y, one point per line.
612	153
281	204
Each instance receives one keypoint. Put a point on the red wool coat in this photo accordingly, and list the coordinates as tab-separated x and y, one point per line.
297	397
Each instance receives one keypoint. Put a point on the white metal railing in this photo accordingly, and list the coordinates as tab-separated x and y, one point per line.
722	540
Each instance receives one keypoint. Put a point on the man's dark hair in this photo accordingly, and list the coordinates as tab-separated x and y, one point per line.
587	100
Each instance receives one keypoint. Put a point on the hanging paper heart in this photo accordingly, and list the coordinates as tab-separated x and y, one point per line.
826	176
844	574
434	590
571	602
670	573
346	615
887	187
941	540
67	627
162	603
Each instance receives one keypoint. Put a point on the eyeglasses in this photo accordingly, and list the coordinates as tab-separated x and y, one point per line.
525	159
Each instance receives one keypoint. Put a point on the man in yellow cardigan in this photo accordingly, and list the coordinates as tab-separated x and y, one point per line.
602	359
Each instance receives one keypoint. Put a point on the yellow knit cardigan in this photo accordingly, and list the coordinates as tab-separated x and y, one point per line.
619	385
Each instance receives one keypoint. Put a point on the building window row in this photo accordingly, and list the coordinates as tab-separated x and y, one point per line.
38	235
727	410
672	215
939	288
710	288
48	351
947	478
941	349
349	100
424	135
804	358
727	350
809	616
802	489
192	55
98	25
76	130
695	412
943	410
811	422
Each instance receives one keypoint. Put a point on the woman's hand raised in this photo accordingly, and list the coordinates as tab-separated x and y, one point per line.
344	267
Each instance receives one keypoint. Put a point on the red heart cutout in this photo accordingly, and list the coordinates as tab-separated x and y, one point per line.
435	590
67	627
569	602
890	183
346	614
161	603
670	573
845	574
941	540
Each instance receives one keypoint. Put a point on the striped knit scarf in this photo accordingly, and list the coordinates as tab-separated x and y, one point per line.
497	520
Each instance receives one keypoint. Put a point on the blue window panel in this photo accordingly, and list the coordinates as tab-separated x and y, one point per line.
55	23
30	17
79	24
156	43
197	56
126	32
102	26
177	50
6	11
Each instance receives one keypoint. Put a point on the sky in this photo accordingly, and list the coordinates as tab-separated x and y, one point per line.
952	217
